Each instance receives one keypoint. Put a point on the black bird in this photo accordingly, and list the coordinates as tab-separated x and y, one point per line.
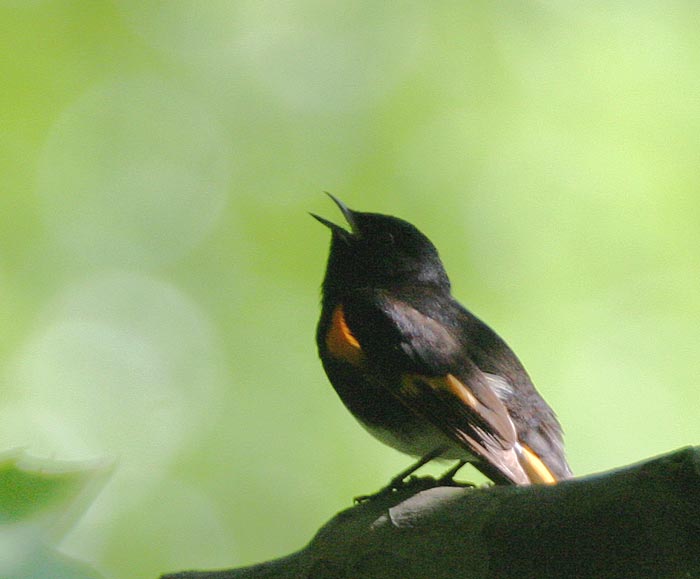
419	371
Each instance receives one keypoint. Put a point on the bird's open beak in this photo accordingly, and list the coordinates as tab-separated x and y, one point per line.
347	213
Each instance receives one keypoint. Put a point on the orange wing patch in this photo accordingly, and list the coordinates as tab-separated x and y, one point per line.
447	383
340	341
536	470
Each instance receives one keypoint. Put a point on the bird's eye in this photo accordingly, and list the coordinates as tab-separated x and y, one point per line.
386	238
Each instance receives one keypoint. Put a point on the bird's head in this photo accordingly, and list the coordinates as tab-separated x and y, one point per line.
379	251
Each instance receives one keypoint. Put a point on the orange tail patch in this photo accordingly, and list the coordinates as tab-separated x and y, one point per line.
536	470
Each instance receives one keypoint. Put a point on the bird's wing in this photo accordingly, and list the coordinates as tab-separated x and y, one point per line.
424	365
536	423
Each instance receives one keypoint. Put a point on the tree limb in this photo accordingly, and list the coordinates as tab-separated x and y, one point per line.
639	522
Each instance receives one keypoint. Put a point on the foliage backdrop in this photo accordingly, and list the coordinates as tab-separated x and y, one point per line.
159	276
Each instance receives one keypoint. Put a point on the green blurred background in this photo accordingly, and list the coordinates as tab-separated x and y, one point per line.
159	275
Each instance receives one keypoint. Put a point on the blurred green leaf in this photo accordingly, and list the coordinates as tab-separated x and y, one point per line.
25	492
48	563
40	501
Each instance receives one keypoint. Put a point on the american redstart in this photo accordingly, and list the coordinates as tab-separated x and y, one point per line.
419	371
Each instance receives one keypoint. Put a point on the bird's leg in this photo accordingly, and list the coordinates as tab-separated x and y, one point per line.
398	481
448	479
449	476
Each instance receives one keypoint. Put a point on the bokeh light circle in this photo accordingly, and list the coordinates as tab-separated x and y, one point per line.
121	365
135	172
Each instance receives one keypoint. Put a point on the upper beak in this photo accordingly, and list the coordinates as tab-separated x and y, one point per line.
347	213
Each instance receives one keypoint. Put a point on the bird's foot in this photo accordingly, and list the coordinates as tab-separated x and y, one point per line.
412	483
406	478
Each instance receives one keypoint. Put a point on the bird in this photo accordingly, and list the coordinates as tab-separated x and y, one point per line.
419	371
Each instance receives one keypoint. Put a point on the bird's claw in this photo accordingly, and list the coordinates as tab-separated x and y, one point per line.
413	482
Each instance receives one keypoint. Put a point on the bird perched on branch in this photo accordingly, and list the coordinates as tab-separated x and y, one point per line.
419	371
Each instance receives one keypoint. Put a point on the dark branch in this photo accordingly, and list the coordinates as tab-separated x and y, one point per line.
639	522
